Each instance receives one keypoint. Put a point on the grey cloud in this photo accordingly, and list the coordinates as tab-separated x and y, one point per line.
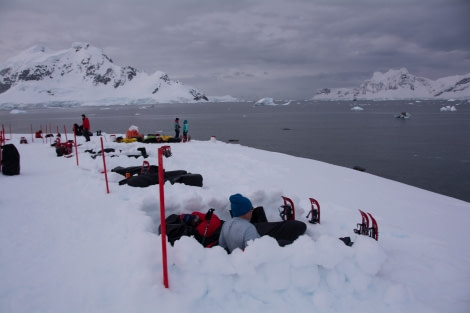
253	48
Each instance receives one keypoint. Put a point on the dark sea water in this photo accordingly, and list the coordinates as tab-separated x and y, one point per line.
431	150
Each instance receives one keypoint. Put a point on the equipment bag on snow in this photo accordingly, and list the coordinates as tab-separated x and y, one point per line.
144	176
188	179
10	160
176	228
63	148
148	179
132	170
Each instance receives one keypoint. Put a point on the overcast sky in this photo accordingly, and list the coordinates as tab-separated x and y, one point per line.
284	49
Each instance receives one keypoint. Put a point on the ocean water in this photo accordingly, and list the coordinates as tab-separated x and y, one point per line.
430	150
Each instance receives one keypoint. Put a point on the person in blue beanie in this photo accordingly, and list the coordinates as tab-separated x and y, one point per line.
238	231
244	226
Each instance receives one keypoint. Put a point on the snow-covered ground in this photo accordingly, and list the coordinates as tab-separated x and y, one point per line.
66	245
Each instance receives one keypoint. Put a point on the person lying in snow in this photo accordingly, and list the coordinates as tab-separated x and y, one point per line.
250	223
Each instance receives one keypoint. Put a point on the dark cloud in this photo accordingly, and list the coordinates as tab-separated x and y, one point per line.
252	49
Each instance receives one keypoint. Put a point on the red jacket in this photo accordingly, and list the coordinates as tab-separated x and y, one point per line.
86	123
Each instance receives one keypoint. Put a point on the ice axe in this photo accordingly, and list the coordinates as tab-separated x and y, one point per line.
208	219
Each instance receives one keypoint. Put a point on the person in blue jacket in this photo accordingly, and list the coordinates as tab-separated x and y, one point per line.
185	130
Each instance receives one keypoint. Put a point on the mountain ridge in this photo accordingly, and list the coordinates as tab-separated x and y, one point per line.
81	75
401	85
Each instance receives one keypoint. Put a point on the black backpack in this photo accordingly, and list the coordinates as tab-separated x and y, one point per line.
10	160
176	228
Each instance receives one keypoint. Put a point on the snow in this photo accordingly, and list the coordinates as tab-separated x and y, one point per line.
66	245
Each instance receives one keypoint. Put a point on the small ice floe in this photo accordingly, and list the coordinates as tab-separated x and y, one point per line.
269	101
451	108
357	108
16	111
265	101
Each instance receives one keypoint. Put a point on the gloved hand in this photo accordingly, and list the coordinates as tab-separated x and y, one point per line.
191	220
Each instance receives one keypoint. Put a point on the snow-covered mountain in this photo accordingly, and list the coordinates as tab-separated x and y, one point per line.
400	85
83	75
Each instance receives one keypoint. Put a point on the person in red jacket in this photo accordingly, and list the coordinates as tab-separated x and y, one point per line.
86	127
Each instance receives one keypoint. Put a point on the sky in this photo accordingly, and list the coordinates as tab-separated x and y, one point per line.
67	245
253	49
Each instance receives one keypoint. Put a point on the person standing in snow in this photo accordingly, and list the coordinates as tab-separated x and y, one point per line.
86	127
177	128
185	130
243	227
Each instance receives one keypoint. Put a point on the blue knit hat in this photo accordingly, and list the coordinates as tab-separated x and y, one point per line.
239	205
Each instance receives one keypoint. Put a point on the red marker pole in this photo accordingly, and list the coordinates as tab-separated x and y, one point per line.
65	132
164	150
1	143
104	165
75	144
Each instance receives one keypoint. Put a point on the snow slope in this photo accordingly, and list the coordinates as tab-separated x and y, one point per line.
68	246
